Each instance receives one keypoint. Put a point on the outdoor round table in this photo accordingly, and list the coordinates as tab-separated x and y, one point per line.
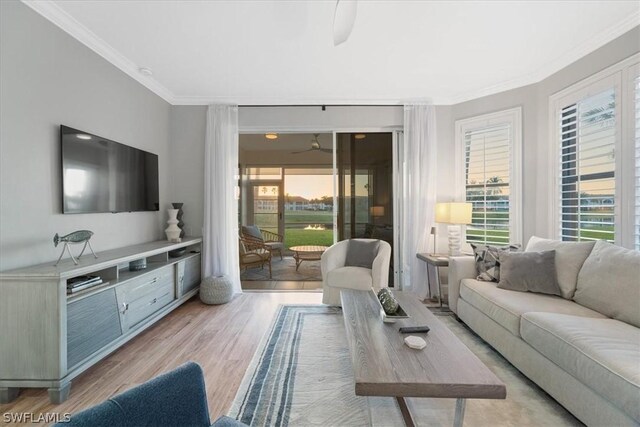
307	253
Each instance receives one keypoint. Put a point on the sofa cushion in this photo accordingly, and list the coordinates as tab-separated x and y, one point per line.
350	278
569	259
603	354
609	282
505	307
529	272
488	260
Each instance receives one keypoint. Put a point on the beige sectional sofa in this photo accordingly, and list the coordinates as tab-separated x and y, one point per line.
582	348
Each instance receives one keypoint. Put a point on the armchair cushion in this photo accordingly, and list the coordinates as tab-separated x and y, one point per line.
361	253
350	278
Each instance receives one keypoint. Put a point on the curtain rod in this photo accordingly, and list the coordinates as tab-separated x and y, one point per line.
320	105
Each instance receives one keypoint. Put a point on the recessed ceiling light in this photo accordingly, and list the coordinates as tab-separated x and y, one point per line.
83	136
360	136
271	135
145	71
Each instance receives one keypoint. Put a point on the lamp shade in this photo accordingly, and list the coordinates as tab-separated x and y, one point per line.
377	210
453	212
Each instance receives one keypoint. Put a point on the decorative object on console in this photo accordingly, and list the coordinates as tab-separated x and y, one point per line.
216	290
75	238
179	217
454	214
137	265
488	260
173	231
177	253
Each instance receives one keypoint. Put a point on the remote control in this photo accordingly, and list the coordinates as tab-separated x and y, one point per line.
413	329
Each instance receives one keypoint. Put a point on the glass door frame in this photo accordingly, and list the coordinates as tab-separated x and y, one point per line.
397	132
268	183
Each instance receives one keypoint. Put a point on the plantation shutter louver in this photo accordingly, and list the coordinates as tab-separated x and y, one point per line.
487	179
587	168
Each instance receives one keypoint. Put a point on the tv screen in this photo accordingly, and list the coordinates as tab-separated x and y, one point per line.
100	175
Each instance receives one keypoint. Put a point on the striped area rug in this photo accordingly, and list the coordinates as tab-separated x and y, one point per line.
301	375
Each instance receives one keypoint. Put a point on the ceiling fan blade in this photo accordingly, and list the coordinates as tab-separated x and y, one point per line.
303	151
343	20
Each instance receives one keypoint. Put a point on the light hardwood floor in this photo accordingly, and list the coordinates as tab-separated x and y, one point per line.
222	339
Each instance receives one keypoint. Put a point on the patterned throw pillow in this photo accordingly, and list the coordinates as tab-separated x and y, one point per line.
488	260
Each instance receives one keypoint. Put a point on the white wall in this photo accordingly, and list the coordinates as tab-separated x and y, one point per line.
534	100
48	78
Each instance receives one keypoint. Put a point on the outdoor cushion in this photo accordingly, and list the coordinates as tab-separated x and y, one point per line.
350	278
609	282
253	231
603	354
275	245
569	259
505	307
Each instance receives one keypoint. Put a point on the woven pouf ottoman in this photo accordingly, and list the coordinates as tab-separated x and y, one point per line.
216	290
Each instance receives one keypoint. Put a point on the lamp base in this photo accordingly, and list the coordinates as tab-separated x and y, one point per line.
454	240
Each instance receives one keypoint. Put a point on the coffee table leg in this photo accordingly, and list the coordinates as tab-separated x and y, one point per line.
459	416
404	409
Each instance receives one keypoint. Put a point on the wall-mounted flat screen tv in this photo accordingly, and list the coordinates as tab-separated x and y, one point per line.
100	175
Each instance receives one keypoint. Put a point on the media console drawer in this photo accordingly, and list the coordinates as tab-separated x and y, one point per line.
145	295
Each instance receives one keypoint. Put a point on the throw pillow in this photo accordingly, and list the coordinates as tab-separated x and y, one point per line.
361	253
529	272
252	231
488	262
609	282
569	259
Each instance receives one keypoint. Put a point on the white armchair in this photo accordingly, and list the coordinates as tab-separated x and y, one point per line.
336	276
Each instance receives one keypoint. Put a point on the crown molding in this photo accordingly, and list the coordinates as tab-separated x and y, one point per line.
54	13
51	11
554	66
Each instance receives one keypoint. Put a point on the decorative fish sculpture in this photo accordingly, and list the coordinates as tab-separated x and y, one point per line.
79	236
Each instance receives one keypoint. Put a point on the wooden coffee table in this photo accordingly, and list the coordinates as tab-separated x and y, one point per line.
384	366
307	253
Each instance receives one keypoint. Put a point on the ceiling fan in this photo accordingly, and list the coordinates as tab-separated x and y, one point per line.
315	146
344	18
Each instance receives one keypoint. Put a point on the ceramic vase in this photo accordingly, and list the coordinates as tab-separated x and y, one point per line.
180	214
173	231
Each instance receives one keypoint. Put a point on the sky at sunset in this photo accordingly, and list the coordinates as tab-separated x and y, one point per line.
309	186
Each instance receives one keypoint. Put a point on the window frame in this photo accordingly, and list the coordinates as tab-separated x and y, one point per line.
618	78
513	118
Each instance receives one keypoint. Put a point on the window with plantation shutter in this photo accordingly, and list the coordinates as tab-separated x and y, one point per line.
595	157
588	168
490	147
487	183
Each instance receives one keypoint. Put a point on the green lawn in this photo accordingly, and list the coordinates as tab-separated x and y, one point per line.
300	237
308	217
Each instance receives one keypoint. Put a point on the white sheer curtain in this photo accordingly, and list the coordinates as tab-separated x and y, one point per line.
419	158
220	233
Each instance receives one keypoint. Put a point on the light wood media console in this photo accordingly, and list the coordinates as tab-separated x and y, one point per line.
47	337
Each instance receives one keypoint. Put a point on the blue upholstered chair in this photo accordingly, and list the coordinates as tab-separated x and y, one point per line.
177	398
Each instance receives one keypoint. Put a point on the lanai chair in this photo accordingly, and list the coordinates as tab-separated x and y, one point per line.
254	254
273	241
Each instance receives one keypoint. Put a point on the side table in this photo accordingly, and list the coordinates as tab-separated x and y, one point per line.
434	262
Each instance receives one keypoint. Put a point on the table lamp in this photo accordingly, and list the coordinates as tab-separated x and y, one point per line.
454	214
